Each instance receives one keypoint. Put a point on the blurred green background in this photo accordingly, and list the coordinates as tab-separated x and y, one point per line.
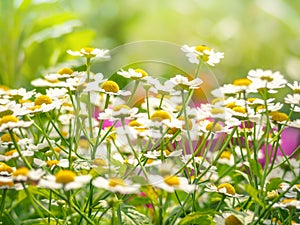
34	35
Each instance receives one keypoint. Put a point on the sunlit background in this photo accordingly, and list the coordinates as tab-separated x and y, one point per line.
253	34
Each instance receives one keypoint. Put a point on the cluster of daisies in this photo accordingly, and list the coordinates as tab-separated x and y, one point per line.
108	155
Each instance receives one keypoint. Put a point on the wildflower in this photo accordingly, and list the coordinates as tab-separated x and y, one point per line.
266	79
23	174
5	170
182	83
116	184
204	53
66	179
170	183
295	87
133	73
91	53
224	188
112	88
6	182
10	122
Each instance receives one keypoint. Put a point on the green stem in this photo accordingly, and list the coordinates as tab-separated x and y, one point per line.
136	84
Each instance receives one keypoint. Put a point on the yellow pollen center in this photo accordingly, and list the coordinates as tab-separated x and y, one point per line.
267	78
239	109
119	107
143	72
42	99
279	116
57	149
216	100
232	220
160	115
83	143
251	100
149	161
202	48
110	86
172	180
216	111
21	172
231	105
8	118
88	50
65	71
167	152
99	162
184	126
116	181
242	82
51	163
134	123
7	138
5	168
10	153
288	200
65	176
229	188
225	155
213	127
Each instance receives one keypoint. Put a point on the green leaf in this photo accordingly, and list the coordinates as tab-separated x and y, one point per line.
197	218
255	167
254	194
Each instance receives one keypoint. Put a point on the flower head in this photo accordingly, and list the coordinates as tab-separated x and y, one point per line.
91	53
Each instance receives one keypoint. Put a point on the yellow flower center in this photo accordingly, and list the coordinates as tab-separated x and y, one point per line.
10	153
88	50
35	107
5	168
267	78
251	100
10	184
288	200
65	176
119	107
167	152
143	72
7	119
279	116
7	138
216	100
99	162
216	111
213	127
149	161
21	172
172	180
202	48
242	82
116	181
232	220
134	123
160	115
57	149
229	188
42	99
110	86
83	143
172	130
239	109
225	155
51	163
65	71
5	88
231	105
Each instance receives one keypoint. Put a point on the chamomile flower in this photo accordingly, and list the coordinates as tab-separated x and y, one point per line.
203	53
182	83
265	79
64	179
224	189
10	122
24	174
116	184
95	84
112	88
91	53
295	87
170	183
133	74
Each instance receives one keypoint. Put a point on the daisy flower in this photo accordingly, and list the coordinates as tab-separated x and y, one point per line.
204	53
265	79
224	189
170	183
10	122
91	53
133	74
112	88
295	87
182	82
65	179
116	184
